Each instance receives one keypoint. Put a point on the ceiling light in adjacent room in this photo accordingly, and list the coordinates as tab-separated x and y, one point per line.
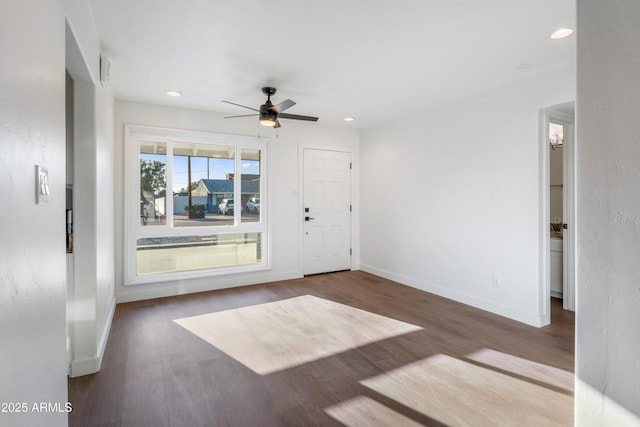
173	93
562	33
349	119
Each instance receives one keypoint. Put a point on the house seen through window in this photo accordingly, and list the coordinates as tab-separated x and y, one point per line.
198	204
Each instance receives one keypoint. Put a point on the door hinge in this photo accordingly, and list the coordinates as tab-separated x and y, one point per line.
350	165
350	208
350	251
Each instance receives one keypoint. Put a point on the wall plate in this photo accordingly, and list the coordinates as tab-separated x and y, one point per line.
42	185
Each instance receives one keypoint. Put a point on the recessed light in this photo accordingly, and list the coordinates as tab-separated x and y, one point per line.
173	93
562	33
349	119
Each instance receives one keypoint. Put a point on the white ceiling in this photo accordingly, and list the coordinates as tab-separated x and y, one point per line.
375	61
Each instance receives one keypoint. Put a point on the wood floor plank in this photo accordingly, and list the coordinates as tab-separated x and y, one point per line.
156	372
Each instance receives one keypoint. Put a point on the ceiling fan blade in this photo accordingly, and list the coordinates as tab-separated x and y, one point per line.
297	117
243	106
283	106
243	115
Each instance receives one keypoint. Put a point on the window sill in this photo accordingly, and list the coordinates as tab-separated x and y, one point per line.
195	274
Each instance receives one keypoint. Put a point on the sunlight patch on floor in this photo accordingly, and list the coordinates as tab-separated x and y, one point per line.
278	335
539	372
454	392
363	411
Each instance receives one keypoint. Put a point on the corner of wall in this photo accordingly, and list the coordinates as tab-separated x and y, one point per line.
91	365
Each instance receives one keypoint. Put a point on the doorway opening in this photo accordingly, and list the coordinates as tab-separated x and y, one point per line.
558	216
556	198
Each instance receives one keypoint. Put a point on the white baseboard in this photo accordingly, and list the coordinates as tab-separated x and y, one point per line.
91	365
102	344
502	310
556	294
86	366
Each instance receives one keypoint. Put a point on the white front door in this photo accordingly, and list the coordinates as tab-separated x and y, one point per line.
327	211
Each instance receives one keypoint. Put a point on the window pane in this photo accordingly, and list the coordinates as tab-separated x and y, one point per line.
200	181
250	164
174	254
209	169
153	183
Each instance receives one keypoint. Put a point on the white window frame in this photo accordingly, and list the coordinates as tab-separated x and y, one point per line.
134	231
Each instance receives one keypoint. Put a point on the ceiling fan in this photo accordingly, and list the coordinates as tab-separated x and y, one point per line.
269	113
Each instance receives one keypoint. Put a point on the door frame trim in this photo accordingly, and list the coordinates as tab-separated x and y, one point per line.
546	115
355	200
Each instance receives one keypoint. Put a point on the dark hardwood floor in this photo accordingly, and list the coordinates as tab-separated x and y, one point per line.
462	367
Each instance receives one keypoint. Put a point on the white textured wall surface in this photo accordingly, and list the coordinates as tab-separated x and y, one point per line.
284	211
450	197
32	250
608	154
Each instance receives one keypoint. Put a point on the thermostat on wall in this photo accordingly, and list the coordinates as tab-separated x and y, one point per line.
42	185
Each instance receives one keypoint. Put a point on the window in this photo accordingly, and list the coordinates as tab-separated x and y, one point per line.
195	204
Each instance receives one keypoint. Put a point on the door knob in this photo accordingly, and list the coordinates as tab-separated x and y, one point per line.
308	218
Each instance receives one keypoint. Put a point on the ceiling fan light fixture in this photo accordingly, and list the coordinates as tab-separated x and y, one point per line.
268	113
267	122
267	117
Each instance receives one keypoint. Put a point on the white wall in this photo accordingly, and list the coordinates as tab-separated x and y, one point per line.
285	215
608	294
32	253
105	218
91	294
450	197
80	17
